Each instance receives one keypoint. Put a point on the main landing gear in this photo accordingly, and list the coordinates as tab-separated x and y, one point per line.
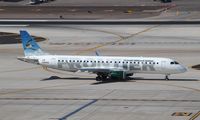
116	75
101	77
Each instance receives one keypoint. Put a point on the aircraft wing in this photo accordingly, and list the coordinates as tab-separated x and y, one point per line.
96	69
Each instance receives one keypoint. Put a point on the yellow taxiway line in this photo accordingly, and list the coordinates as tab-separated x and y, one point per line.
195	116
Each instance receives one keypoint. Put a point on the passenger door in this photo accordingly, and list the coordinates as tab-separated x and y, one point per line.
163	65
53	63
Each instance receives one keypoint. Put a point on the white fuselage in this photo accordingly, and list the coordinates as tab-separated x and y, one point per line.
151	65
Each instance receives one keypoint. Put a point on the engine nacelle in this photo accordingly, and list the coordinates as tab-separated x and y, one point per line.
118	75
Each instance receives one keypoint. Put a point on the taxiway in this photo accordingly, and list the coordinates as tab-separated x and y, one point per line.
29	92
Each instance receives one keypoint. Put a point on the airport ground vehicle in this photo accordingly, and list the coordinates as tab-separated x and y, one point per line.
33	2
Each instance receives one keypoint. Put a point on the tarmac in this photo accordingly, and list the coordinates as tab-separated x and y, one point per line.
31	92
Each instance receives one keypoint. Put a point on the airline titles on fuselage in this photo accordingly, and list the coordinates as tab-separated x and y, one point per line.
127	64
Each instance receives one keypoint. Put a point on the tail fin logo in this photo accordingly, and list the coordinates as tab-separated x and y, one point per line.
29	45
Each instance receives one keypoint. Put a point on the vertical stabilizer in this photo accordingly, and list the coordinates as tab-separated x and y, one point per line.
31	48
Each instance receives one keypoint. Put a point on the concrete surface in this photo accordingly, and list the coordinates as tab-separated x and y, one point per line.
27	93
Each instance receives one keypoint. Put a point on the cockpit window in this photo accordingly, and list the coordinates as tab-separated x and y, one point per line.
174	62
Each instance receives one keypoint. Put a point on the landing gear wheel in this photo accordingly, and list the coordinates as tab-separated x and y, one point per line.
104	77
98	78
101	77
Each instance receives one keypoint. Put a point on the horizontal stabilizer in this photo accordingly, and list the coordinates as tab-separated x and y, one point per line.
29	60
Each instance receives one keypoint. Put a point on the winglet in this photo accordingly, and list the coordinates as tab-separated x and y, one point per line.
97	53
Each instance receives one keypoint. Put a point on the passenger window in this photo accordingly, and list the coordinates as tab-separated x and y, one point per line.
172	63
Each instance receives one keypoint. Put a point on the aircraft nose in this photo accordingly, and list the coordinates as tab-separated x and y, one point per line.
182	69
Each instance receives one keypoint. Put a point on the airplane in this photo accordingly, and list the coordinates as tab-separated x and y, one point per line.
106	67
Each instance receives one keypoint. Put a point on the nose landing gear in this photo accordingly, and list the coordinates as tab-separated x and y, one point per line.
166	77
